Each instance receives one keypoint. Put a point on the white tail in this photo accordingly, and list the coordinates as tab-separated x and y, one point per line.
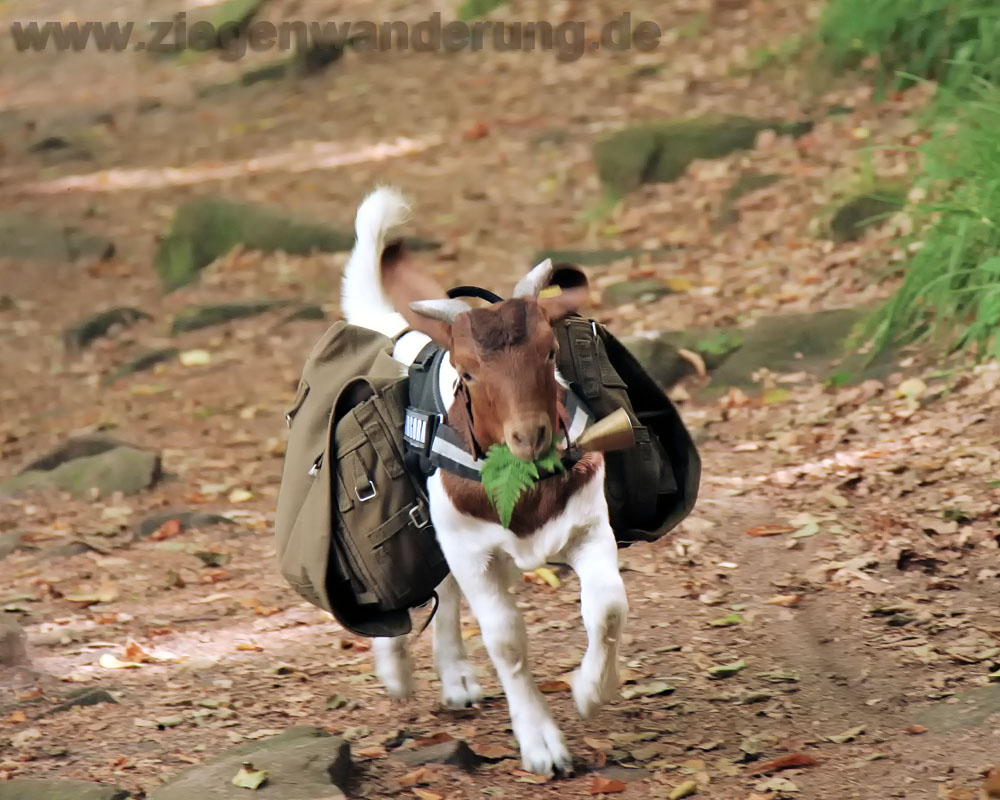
362	298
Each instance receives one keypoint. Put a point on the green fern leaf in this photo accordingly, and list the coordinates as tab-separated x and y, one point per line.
506	478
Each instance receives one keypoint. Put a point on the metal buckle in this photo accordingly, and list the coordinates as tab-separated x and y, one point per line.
418	517
288	420
314	469
372	492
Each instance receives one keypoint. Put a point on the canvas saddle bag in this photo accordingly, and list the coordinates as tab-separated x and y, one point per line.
352	527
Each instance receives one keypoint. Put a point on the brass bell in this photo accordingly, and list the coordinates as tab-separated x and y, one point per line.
614	432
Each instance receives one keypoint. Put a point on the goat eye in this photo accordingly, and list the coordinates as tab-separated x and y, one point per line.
552	354
467	376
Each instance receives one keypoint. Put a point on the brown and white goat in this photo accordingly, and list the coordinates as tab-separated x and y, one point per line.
502	376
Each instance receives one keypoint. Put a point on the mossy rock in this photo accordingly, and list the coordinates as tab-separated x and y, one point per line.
140	363
660	152
28	238
817	343
746	183
195	318
640	291
83	333
206	229
857	214
122	469
302	764
186	520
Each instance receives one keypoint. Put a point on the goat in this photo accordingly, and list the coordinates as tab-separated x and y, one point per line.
501	377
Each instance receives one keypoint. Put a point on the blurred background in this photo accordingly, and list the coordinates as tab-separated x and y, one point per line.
787	209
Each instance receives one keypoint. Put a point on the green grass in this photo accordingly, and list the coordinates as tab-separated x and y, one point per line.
950	295
474	9
950	41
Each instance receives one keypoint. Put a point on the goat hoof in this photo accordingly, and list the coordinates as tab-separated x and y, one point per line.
461	689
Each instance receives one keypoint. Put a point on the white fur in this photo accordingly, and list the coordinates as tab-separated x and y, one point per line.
481	556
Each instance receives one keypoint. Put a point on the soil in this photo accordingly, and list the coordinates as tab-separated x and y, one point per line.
873	602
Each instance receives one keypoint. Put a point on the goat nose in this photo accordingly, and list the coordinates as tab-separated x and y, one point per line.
541	438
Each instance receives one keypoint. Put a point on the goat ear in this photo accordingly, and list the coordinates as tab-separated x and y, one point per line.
531	284
568	291
435	317
405	283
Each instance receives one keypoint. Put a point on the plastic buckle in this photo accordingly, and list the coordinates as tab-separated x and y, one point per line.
419	428
372	492
418	517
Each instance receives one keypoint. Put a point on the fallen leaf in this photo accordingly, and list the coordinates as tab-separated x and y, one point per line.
111	661
249	646
791	761
17	716
603	785
553	686
171	527
494	752
107	592
134	652
786	600
848	736
727	670
419	777
520	776
648	690
375	751
915	729
478	130
685	789
249	778
423	794
727	622
240	496
195	358
25	736
598	744
769	530
548	576
991	786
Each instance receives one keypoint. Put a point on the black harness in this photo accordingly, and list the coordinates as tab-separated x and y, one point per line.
426	432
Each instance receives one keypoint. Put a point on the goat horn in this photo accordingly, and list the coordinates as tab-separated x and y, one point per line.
443	310
532	284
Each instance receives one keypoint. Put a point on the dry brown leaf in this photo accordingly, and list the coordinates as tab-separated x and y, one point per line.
991	786
423	794
249	646
770	530
134	652
437	738
553	686
598	744
786	600
375	751
169	528
17	716
915	729
478	130
602	785
419	777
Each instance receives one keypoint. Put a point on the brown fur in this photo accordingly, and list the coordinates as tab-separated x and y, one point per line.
545	502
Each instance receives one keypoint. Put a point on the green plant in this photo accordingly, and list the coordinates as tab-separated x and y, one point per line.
473	9
950	41
506	478
951	288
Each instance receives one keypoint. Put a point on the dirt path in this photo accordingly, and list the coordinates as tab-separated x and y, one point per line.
875	605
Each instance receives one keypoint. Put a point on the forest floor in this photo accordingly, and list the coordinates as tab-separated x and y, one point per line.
844	546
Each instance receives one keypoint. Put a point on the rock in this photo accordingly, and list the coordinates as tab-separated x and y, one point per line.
455	752
13	652
302	764
205	229
660	152
639	291
123	469
187	519
81	334
194	318
140	363
23	237
863	211
746	183
968	710
91	696
813	343
57	789
67	550
598	258
74	447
